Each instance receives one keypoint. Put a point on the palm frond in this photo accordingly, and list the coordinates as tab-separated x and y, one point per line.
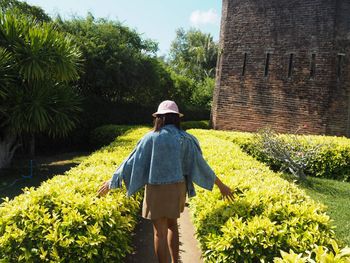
7	74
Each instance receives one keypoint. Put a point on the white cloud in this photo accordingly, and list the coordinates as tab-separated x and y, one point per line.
199	17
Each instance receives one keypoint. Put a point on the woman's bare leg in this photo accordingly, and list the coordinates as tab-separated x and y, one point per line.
160	229
173	240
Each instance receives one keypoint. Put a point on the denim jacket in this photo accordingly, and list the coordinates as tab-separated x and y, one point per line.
168	156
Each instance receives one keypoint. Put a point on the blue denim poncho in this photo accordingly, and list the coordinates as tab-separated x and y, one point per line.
168	156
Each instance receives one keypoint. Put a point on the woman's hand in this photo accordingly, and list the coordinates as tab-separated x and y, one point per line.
104	189
226	191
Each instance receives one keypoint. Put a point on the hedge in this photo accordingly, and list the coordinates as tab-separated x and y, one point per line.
268	214
318	254
331	161
98	112
105	134
64	221
186	125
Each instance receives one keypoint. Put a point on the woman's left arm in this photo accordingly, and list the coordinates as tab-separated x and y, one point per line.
226	191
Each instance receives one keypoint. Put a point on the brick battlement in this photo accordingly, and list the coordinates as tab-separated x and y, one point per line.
284	64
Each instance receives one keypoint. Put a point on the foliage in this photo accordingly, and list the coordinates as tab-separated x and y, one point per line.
183	88
194	54
287	151
119	65
203	93
318	254
7	73
23	8
64	221
52	110
329	156
186	125
45	60
123	81
105	134
38	64
268	214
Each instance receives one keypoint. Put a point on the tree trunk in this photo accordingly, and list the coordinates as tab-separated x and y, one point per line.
8	146
32	145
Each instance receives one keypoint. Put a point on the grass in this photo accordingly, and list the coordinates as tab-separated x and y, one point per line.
336	196
44	167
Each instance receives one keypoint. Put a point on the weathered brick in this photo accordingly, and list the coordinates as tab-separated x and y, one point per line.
281	28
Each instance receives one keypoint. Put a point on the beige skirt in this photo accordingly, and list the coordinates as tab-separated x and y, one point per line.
164	200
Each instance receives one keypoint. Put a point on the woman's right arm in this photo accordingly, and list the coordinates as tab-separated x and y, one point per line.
122	173
115	181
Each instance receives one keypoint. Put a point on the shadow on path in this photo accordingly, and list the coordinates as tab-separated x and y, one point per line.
144	248
142	243
43	168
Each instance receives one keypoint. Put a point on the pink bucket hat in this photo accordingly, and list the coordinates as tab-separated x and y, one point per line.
167	106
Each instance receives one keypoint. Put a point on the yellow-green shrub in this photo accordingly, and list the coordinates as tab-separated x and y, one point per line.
332	159
106	134
318	254
268	214
64	221
186	125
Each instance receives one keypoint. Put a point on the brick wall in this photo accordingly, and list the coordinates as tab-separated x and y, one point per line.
285	99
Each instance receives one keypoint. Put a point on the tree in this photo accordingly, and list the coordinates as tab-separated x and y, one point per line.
38	98
23	8
194	54
119	65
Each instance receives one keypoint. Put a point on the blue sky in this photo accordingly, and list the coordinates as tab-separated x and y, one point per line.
155	19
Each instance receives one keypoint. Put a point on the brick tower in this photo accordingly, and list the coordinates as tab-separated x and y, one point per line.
284	64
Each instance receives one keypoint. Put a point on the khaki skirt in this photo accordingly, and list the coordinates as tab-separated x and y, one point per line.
164	200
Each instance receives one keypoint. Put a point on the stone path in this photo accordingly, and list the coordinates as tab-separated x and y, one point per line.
143	242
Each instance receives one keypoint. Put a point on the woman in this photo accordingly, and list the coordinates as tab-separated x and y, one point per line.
167	161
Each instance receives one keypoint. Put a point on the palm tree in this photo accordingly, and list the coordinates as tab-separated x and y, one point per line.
8	144
194	54
39	99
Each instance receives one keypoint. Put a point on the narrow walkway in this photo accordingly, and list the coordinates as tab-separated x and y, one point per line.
143	242
189	247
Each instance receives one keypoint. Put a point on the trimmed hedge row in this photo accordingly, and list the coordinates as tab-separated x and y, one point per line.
319	254
64	221
268	214
186	125
105	134
332	159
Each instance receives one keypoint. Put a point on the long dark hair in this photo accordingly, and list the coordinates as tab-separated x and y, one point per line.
163	119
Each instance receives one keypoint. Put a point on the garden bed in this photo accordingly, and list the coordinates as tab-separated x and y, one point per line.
268	214
64	220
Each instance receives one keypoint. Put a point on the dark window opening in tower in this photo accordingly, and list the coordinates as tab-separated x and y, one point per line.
290	65
313	66
244	64
267	64
340	65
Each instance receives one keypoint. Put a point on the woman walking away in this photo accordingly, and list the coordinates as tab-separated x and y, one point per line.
167	161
